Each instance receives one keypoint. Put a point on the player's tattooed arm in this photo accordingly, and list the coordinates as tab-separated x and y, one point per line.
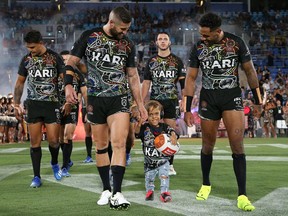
18	89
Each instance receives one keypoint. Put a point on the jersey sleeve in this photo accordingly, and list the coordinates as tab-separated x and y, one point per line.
147	73
244	53
131	57
193	60
181	68
22	70
80	45
140	135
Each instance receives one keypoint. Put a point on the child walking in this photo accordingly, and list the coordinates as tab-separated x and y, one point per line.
154	161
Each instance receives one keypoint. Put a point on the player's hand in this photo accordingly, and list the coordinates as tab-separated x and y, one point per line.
18	112
71	95
66	109
135	114
143	113
189	119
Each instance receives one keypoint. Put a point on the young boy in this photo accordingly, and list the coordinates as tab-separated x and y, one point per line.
154	161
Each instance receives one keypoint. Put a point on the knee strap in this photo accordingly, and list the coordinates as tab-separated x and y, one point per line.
102	151
238	156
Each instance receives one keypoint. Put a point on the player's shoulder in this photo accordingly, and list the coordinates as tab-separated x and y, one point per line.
232	36
50	51
153	58
175	56
93	31
26	57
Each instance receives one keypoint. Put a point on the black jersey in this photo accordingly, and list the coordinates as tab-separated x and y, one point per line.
164	73
107	59
78	82
219	62
42	74
152	157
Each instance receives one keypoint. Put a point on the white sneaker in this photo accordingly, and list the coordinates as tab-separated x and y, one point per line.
172	170
117	201
104	198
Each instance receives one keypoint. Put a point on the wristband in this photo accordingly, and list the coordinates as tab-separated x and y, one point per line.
257	96
69	68
187	103
68	79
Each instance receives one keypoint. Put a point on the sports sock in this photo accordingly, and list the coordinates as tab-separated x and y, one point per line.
118	174
239	165
70	148
65	151
110	151
36	155
54	155
206	163
88	143
62	146
104	174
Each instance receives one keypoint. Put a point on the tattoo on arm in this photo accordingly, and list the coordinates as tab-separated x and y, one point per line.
18	91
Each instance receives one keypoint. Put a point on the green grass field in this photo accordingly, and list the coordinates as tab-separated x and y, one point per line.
267	182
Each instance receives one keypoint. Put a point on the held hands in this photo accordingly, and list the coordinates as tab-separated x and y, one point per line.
143	112
189	119
135	113
140	115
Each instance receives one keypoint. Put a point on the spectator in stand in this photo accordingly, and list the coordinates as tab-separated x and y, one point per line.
266	72
266	85
279	116
268	116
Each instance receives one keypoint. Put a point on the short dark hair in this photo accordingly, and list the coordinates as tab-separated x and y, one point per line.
210	20
162	32
33	36
122	14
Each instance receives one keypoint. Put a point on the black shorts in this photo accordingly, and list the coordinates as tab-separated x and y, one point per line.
72	118
170	108
99	108
212	103
43	111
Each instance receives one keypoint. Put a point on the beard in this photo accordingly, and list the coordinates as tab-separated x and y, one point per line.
163	48
116	34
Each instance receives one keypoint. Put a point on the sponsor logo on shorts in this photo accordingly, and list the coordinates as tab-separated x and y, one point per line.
89	109
238	103
204	105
